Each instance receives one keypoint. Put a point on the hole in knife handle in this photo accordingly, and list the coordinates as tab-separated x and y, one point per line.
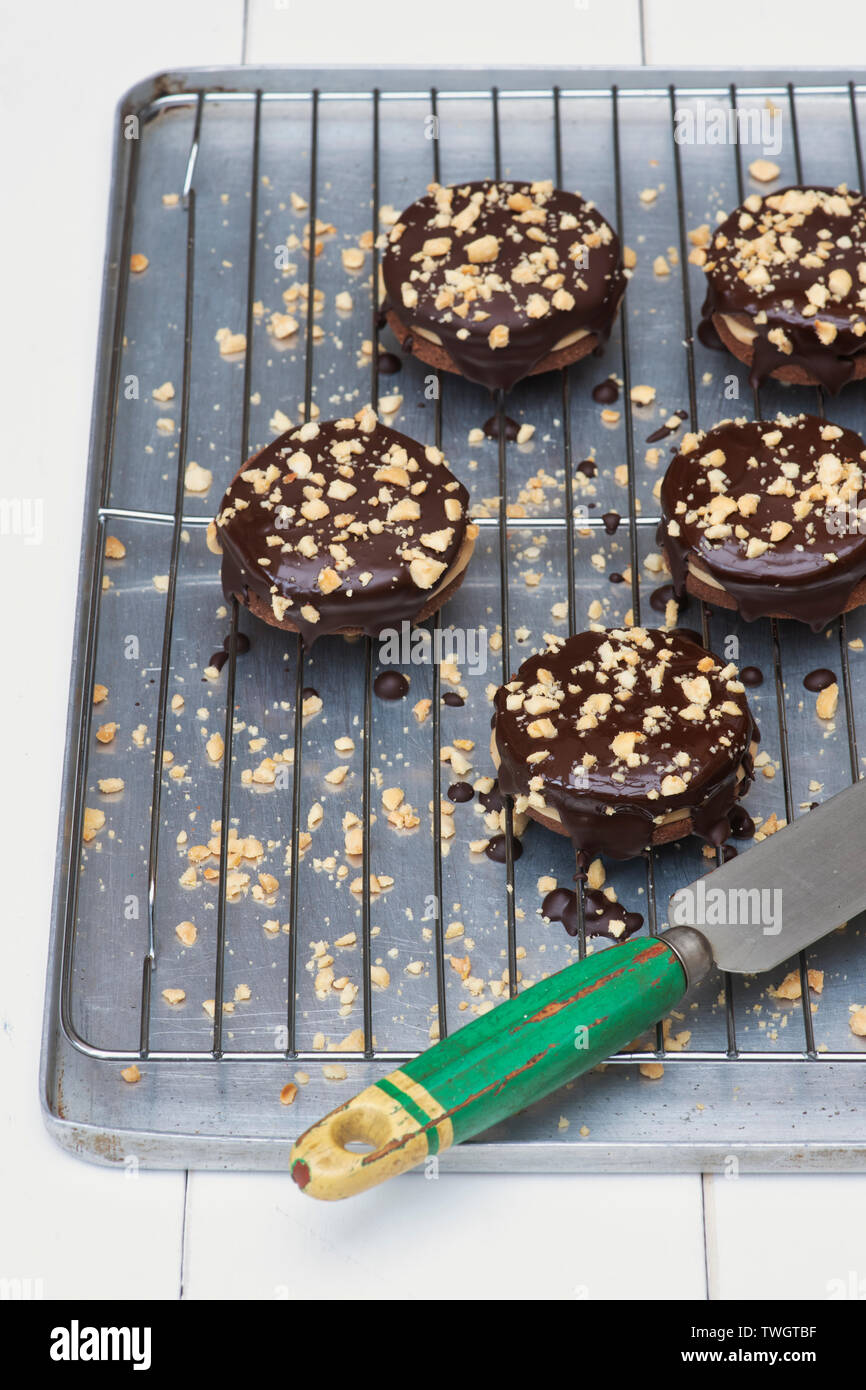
371	1138
361	1129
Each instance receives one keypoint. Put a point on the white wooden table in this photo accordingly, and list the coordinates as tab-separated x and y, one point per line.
90	1232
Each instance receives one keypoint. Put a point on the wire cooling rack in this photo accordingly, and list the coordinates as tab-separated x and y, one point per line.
254	158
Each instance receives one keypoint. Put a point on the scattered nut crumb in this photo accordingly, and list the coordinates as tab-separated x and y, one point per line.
827	701
421	710
215	747
792	988
196	478
764	170
186	933
857	1023
230	343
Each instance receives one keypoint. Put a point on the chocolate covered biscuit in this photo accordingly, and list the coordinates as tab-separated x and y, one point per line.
786	285
499	280
764	516
625	738
343	527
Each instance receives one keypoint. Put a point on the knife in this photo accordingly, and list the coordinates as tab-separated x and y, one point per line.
747	916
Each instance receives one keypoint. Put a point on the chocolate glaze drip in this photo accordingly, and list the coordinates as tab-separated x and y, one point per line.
819	679
792	578
391	685
611	521
664	430
453	699
784	300
492	800
491	428
742	825
560	905
376	589
389	363
497	852
661	597
596	287
606	392
460	792
219	659
708	335
605	806
752	675
600	913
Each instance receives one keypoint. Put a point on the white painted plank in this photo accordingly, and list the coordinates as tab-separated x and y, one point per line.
82	1231
71	1230
790	1236
463	1236
777	33
455	33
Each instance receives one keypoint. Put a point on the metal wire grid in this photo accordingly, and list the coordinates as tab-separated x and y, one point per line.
178	521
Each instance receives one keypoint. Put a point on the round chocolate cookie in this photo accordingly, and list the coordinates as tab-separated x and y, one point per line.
786	285
343	527
498	281
623	739
763	516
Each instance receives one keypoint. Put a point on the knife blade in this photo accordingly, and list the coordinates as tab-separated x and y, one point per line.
764	906
749	915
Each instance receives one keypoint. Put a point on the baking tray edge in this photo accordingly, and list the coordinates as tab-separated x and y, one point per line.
112	1146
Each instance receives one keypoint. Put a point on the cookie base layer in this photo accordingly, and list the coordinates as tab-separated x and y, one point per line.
794	374
663	834
257	606
434	355
720	598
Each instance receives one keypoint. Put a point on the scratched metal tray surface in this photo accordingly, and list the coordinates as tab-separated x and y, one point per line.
748	1077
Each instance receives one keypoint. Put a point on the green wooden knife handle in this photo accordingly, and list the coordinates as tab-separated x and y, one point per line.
499	1063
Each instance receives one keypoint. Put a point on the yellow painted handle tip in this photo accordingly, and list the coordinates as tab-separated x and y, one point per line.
323	1165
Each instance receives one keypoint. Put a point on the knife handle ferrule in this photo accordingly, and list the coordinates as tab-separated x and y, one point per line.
692	949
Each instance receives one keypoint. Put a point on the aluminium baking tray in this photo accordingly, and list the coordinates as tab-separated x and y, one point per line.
758	1081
